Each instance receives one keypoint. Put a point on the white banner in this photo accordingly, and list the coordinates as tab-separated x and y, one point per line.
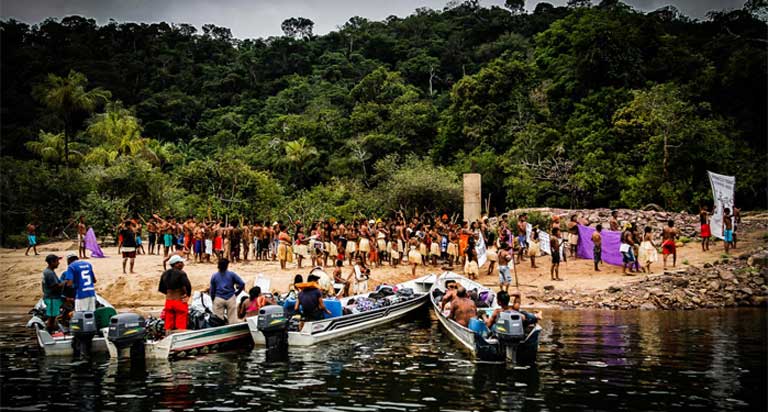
722	194
543	239
481	250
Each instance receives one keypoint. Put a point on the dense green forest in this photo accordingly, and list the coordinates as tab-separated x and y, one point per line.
578	106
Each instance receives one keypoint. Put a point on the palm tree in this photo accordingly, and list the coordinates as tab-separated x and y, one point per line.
50	147
299	152
118	130
67	96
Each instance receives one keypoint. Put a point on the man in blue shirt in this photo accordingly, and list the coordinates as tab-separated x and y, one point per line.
80	275
225	286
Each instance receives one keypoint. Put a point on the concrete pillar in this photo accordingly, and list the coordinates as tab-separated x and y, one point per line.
472	196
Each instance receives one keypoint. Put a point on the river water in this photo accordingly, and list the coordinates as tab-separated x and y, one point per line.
595	360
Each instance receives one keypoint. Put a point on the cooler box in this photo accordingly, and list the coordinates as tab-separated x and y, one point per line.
334	306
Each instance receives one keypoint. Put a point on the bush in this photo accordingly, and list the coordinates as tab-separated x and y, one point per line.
417	186
684	239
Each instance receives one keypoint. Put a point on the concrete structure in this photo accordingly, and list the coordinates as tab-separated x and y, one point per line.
472	196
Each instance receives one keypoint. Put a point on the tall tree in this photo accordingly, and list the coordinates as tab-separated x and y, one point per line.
67	96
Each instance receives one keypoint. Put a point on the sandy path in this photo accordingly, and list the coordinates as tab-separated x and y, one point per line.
22	274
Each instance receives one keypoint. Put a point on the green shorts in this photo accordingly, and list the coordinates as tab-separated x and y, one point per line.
52	306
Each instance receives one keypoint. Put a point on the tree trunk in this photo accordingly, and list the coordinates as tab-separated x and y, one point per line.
66	144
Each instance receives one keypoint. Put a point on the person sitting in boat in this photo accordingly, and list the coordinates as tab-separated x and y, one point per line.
450	293
530	318
462	308
338	278
503	298
249	306
310	302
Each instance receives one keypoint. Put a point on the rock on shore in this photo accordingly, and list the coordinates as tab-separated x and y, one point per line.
741	280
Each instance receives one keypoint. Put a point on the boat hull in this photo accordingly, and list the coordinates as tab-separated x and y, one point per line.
332	328
62	346
181	344
523	353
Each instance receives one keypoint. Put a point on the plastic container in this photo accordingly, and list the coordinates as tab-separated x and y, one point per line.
478	326
334	306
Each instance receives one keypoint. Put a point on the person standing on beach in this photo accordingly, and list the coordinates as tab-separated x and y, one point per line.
554	246
573	235
736	223
505	274
597	249
614	222
706	231
522	232
668	247
31	239
152	234
128	244
81	238
727	229
284	253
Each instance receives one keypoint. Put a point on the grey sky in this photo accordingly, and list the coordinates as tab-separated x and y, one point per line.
262	18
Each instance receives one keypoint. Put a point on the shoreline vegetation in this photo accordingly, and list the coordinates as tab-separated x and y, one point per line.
582	106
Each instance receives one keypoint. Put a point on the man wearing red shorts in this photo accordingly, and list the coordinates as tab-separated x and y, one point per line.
706	232
668	247
174	284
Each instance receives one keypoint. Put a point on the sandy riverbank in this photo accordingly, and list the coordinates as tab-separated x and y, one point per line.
22	274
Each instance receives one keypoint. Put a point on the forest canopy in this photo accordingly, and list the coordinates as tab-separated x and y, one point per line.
578	106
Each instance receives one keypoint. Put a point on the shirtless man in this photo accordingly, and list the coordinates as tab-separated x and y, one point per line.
554	247
505	274
706	231
462	308
247	240
199	235
727	230
450	293
573	235
258	235
597	249
188	229
31	239
81	238
669	236
152	230
284	248
522	227
614	222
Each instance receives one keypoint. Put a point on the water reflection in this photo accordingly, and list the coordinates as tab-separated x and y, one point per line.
588	360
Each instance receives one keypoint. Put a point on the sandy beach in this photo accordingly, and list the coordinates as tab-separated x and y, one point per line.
22	274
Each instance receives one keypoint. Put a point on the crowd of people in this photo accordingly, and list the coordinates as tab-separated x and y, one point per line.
362	243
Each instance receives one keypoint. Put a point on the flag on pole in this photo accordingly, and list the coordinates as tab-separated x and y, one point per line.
92	244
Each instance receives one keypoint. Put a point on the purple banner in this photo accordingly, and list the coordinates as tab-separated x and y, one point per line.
610	249
92	244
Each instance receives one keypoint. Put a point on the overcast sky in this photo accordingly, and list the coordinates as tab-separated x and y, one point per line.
262	18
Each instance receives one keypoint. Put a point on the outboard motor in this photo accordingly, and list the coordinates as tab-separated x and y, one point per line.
510	332
126	332
273	323
83	328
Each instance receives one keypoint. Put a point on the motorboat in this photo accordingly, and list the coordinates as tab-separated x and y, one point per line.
60	343
392	303
509	340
